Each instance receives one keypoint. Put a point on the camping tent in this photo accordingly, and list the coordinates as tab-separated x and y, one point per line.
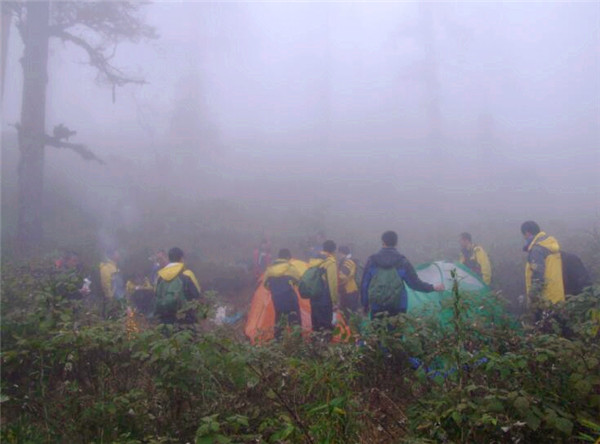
476	294
261	317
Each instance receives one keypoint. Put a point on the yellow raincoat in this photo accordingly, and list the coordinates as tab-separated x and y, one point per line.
281	267
543	271
107	269
479	256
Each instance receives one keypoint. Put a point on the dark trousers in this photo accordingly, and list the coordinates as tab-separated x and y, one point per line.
286	307
350	303
285	317
321	316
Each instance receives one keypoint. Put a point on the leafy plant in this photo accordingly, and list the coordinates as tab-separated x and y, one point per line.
70	375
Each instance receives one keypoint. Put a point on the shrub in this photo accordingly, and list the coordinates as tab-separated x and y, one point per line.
70	376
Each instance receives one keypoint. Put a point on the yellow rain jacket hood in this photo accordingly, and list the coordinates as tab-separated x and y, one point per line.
174	269
544	268
281	267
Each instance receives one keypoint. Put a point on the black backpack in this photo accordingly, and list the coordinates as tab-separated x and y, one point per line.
575	276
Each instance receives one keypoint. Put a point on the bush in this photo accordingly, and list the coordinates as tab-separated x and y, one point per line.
70	376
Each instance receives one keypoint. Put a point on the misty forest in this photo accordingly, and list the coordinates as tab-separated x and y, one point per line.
300	222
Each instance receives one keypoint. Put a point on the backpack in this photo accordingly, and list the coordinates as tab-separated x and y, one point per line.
575	275
170	296
312	283
386	288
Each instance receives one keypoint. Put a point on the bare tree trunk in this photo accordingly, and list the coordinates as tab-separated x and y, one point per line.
6	22
33	123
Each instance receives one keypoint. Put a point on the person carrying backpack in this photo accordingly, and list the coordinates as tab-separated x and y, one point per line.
544	269
280	279
320	285
174	287
383	290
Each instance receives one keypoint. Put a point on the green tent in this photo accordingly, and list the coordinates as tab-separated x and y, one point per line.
476	296
479	306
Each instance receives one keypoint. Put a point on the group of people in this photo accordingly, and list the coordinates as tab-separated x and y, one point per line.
161	295
333	279
171	284
381	287
381	292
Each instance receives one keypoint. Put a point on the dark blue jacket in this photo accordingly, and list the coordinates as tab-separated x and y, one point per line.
389	257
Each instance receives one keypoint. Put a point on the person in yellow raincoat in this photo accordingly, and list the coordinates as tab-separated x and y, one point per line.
108	269
176	284
475	258
113	286
543	271
280	279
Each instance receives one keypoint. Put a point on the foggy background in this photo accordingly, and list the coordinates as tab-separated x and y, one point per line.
282	119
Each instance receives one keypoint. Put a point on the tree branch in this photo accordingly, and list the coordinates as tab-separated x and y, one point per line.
98	60
79	148
57	142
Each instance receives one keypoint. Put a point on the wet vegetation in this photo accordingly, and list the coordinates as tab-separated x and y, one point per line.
70	376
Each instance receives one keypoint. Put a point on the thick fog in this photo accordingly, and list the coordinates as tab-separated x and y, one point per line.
289	118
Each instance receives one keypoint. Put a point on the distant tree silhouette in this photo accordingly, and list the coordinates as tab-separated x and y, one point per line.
191	133
95	27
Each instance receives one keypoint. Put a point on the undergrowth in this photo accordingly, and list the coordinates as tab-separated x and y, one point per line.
70	376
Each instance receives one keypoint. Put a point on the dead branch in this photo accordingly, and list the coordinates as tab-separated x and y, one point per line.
79	148
98	60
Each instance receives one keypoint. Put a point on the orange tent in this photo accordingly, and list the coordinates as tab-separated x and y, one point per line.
261	317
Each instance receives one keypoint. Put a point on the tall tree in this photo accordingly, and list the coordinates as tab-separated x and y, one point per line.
191	132
96	28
